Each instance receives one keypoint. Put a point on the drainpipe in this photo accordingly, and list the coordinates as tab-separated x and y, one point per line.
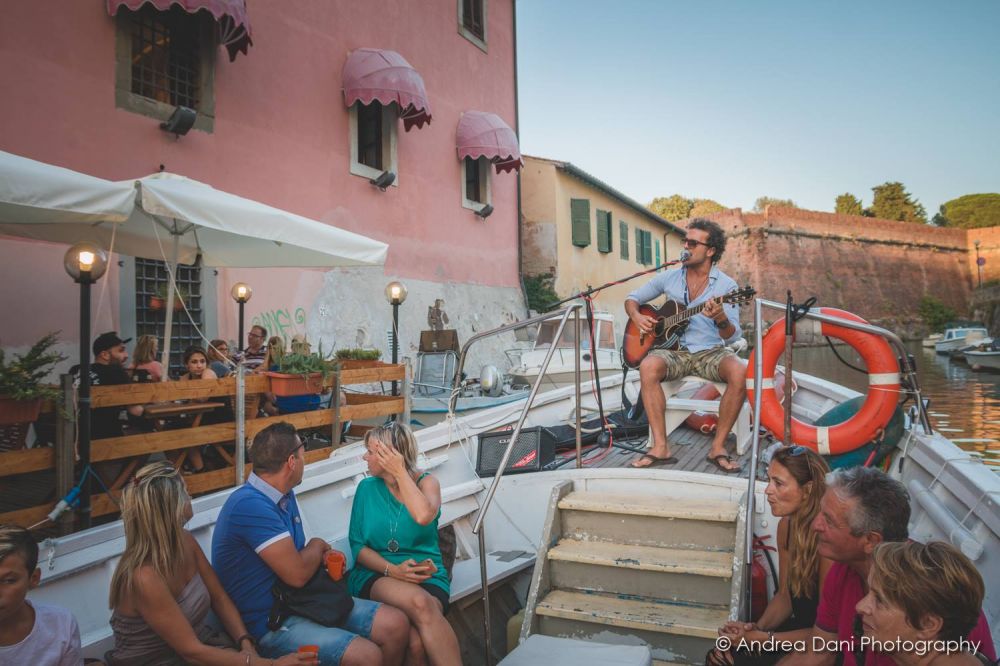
517	132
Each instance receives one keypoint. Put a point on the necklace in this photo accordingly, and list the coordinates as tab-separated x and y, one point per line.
392	545
694	293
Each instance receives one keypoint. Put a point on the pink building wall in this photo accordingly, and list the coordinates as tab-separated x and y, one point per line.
280	136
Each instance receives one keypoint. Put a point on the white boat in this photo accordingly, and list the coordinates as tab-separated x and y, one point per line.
931	340
956	338
561	371
984	357
552	541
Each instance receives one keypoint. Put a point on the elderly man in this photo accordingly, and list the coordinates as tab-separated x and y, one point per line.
862	507
258	539
255	352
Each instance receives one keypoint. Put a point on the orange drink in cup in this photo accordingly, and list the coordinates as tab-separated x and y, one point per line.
309	649
336	564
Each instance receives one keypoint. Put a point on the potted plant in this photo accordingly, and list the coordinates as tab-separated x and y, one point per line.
301	373
21	387
358	358
159	298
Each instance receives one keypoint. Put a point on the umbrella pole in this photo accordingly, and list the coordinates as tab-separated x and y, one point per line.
169	323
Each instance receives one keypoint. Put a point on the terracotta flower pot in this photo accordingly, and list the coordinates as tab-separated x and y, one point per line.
288	385
19	411
155	303
355	364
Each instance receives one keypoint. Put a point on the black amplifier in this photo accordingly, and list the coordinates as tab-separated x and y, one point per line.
535	448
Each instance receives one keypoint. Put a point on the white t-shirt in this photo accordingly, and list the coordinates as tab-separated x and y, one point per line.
53	641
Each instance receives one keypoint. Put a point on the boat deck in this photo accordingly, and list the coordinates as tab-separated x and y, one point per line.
689	446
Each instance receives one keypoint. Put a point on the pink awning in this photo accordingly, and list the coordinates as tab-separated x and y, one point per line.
230	15
482	134
383	75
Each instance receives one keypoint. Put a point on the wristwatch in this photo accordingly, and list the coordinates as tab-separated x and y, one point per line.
721	324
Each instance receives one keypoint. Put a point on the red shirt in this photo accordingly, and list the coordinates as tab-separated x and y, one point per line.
842	591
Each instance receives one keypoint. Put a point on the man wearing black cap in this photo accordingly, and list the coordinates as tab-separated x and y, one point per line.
108	369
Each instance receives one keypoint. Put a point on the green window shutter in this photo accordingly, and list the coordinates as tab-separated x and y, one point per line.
638	245
579	210
648	248
623	238
611	232
603	231
657	252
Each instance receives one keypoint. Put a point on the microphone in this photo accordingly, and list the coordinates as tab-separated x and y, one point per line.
685	255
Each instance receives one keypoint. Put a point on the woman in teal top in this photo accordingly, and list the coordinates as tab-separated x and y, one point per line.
393	535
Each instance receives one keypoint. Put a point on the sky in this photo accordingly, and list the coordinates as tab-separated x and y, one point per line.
797	99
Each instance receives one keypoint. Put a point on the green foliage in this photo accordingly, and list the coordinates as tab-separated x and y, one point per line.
358	354
893	202
848	204
935	313
21	379
762	203
970	211
540	292
705	207
672	208
307	363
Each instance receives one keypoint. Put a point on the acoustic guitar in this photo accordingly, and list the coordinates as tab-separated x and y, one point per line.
671	321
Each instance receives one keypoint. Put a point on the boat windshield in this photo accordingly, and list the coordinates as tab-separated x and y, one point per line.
547	333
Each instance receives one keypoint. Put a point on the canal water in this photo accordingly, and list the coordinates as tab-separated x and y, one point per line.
964	404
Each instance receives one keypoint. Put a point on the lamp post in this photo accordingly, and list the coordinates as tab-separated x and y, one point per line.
85	263
241	294
395	293
979	263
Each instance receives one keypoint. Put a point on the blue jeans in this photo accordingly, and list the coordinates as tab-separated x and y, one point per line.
332	641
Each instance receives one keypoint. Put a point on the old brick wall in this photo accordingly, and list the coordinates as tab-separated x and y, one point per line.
989	249
877	268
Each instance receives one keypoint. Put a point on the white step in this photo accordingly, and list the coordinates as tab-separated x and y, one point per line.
645	558
659	507
552	651
466	578
613	611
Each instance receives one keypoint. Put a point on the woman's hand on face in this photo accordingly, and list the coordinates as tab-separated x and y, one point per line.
391	460
411	572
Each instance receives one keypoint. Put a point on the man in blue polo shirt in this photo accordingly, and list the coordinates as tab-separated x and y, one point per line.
259	538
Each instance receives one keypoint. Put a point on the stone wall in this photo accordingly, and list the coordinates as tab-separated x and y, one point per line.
877	268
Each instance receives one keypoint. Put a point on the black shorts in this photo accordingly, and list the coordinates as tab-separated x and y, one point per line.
430	588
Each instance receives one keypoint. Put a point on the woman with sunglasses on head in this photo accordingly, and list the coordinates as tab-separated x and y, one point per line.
922	601
394	540
164	587
797	481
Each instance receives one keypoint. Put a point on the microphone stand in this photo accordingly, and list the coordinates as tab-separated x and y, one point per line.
606	436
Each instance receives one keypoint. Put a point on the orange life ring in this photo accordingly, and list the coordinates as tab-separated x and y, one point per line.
863	427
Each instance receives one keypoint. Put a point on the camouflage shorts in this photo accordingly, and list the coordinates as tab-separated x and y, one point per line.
705	363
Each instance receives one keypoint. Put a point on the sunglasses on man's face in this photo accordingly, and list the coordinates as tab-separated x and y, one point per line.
691	243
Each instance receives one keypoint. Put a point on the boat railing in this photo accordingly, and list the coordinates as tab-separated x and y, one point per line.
907	368
563	315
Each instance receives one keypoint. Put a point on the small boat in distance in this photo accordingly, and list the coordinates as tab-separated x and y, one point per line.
985	356
561	369
956	338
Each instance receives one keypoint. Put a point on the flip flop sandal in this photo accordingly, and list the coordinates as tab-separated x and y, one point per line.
654	461
715	461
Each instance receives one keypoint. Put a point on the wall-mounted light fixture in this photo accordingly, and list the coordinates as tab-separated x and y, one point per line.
180	121
383	180
485	211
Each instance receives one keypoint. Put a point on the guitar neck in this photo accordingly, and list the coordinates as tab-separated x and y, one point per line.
684	315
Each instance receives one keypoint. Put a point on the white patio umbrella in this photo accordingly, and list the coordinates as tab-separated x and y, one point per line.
173	217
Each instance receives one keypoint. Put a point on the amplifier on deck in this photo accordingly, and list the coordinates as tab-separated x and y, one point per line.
535	448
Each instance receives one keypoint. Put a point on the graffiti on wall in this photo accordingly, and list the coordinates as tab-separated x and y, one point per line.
283	321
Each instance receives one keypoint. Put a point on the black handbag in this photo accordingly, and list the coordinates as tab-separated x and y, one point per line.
323	600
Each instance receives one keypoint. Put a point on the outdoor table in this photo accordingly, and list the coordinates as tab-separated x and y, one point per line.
173	411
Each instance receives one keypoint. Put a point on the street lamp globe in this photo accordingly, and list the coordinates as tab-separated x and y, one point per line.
85	261
241	292
395	292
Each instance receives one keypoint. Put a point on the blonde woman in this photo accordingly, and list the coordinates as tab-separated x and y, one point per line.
273	354
394	540
144	357
163	586
797	481
922	601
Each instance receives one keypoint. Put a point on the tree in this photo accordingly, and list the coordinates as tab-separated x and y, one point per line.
762	203
672	208
893	202
848	204
935	313
971	211
705	207
940	218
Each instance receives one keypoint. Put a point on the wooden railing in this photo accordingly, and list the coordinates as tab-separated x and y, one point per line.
133	450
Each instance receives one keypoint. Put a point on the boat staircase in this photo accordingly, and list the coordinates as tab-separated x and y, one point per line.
631	569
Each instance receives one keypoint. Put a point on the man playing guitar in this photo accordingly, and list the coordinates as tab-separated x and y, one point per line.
702	346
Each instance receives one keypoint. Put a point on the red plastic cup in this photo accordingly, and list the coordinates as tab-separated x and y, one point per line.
336	564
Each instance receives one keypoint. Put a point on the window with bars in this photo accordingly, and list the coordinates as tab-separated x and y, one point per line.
372	138
166	59
472	21
151	283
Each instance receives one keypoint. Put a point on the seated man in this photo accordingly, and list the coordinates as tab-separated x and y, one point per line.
36	634
861	508
702	352
259	538
253	356
108	369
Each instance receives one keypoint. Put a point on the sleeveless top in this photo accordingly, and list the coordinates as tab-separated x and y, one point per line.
137	643
803	607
